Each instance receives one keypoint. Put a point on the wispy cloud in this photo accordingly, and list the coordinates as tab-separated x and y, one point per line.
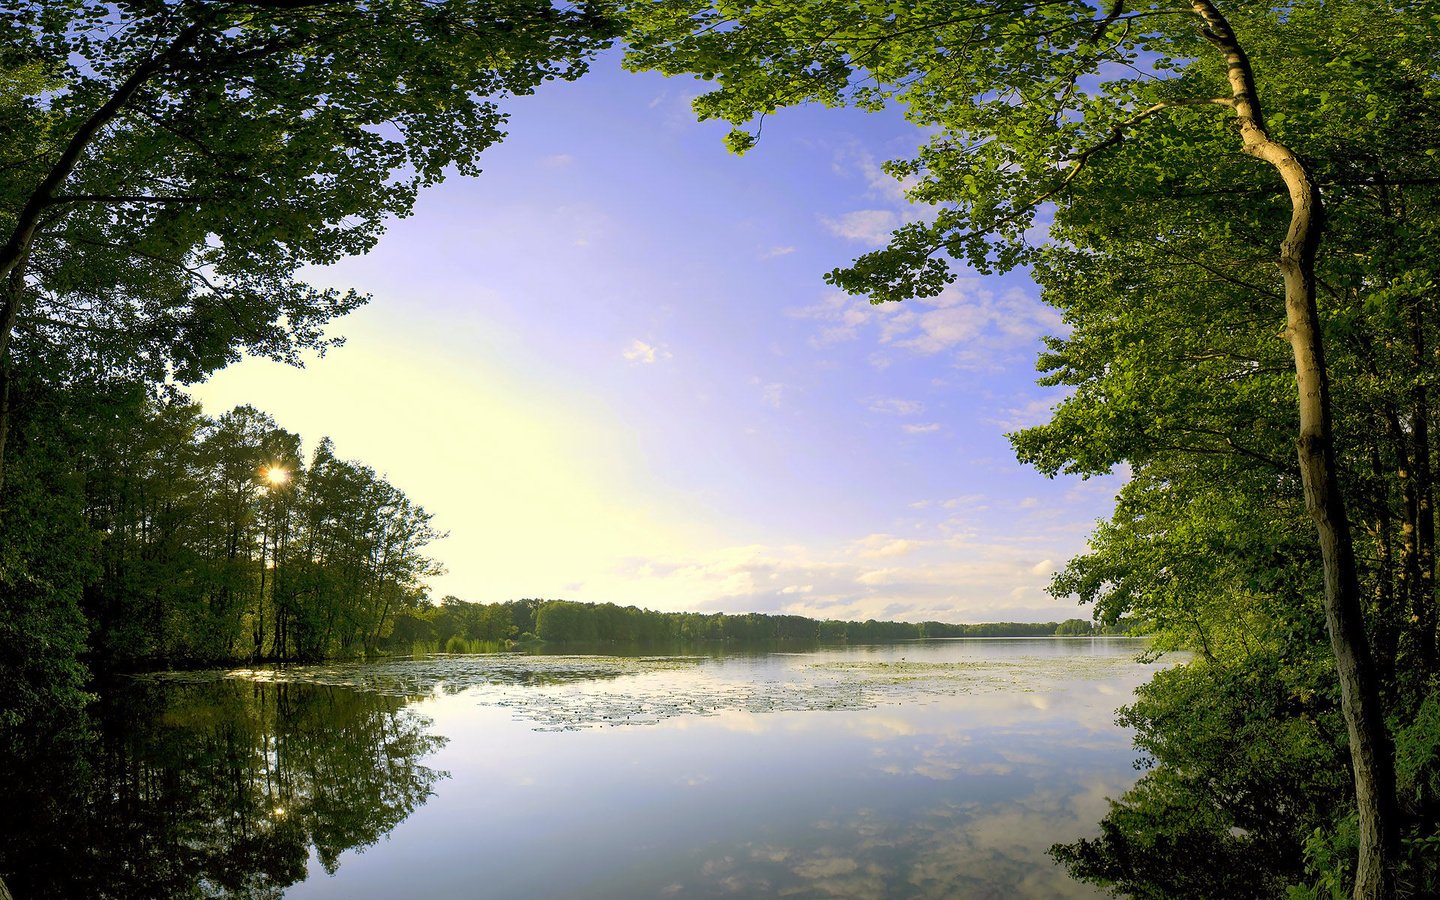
965	501
881	185
773	252
773	395
1026	414
917	428
874	226
955	576
880	546
895	406
868	226
641	352
977	327
843	318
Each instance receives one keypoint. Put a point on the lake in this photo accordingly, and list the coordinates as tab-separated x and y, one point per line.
936	769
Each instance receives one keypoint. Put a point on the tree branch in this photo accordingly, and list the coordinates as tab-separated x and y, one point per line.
127	198
1117	134
44	194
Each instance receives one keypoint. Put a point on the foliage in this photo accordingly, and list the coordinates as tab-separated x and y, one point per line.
171	166
47	557
1118	123
1328	859
151	537
167	171
1243	757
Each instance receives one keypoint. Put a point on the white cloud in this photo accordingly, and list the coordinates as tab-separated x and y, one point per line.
1027	414
948	576
972	501
641	352
881	546
557	161
875	577
968	317
842	317
882	185
978	328
955	577
868	226
777	251
944	328
925	428
895	406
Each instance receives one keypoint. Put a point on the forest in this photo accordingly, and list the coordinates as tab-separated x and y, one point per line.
216	542
1232	204
455	625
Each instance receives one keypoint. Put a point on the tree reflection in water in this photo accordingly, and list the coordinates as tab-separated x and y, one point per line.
215	789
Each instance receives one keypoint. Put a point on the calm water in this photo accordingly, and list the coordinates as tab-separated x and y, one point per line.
936	769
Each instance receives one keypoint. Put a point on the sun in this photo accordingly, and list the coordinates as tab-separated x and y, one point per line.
276	475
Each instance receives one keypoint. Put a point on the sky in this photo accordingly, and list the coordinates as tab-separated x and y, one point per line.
611	369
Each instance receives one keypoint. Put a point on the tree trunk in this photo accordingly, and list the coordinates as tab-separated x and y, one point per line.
1424	593
1370	754
1408	589
1389	602
9	312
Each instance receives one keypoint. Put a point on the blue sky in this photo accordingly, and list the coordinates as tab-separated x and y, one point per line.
612	370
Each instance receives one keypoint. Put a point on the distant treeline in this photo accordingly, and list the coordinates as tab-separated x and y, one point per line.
459	626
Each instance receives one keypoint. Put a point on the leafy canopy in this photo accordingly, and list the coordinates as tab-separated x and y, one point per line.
207	151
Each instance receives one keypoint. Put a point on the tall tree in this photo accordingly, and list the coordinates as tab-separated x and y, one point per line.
1038	106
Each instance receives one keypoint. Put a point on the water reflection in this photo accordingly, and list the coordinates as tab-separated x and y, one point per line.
215	789
908	771
959	800
952	849
942	769
409	678
610	691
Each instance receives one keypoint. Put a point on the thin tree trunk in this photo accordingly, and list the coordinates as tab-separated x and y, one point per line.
1409	570
1386	625
1424	488
9	312
1370	754
1393	579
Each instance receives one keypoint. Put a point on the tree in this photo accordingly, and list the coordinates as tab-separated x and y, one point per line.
171	165
180	790
1052	105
